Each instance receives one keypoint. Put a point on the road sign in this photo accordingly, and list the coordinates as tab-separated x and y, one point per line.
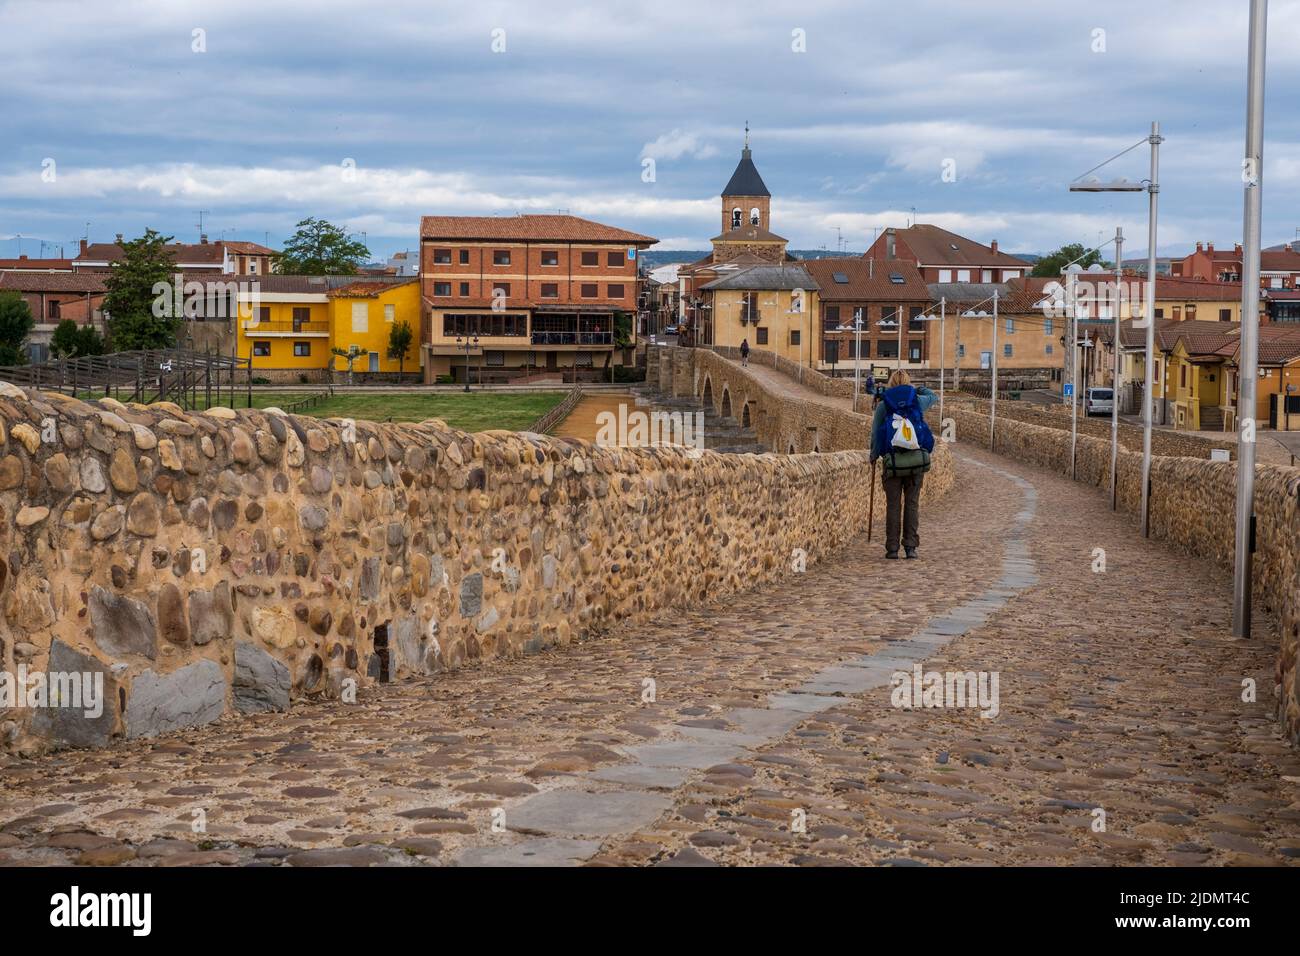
1069	389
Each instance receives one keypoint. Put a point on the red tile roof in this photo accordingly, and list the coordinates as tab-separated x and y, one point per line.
935	247
529	227
1278	345
91	282
43	265
868	280
366	288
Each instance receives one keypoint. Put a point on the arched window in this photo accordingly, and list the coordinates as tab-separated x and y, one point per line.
735	218
753	216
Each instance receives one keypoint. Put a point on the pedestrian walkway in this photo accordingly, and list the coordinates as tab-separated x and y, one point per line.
762	730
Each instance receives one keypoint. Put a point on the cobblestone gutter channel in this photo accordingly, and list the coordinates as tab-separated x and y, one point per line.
571	822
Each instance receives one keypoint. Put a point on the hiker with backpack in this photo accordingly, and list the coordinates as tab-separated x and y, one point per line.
901	441
744	351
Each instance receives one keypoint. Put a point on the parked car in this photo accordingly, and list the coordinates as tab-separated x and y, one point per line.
670	330
1098	401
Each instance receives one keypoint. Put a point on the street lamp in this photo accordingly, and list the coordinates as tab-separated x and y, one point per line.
889	324
470	342
993	364
1252	175
855	328
943	310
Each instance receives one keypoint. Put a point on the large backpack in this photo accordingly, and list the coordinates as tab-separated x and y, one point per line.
903	437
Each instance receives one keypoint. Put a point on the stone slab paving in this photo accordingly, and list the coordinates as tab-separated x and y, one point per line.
771	737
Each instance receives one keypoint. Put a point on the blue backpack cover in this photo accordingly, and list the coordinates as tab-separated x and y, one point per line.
901	400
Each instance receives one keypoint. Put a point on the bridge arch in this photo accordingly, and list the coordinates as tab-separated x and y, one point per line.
706	394
725	408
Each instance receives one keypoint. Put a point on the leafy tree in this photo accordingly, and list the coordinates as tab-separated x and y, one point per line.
1052	264
130	297
400	338
320	248
70	340
15	325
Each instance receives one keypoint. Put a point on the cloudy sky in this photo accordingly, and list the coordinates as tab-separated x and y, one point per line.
132	113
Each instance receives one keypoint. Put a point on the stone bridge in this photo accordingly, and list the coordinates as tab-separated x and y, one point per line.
649	673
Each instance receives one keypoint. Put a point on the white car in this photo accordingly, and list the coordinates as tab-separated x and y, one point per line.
1098	401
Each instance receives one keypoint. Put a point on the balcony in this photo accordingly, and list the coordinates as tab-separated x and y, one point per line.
573	338
254	327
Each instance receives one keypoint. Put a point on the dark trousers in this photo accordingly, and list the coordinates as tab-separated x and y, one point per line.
902	510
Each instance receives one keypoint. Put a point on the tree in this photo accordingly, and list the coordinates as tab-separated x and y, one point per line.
71	340
400	338
1052	264
138	317
351	353
16	324
320	248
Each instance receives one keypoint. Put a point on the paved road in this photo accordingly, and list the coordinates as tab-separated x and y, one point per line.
770	733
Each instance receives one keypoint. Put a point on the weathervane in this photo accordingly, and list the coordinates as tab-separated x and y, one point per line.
746	134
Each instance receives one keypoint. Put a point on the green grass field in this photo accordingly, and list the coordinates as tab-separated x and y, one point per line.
475	412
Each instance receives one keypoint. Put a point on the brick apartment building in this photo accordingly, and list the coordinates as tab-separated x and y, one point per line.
890	296
943	256
54	297
509	297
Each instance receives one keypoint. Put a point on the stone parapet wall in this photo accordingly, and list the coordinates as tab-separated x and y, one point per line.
224	563
1193	505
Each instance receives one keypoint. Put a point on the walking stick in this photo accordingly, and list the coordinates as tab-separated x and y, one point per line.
871	514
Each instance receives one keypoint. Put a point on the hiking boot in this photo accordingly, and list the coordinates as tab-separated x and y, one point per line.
910	552
892	555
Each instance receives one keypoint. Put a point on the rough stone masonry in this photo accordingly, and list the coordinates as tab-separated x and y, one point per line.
227	562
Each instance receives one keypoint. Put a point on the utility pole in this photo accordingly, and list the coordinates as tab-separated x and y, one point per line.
993	392
1148	390
1114	378
1252	175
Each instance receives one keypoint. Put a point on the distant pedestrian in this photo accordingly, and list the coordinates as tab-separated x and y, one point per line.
901	441
871	384
744	351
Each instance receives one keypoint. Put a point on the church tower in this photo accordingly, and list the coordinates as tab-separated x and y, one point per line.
747	215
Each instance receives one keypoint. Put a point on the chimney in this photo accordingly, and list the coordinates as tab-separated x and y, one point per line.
203	238
21	258
1199	248
994	245
119	238
1209	247
1236	250
83	247
889	244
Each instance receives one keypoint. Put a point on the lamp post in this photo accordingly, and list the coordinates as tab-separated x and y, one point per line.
970	313
1071	297
855	328
1114	378
1252	176
470	342
1152	188
943	305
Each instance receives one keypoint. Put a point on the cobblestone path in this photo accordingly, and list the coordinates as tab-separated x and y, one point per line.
771	737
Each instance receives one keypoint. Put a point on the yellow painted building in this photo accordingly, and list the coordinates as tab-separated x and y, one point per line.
290	325
773	307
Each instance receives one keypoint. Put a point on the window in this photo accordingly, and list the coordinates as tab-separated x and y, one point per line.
754	216
390	313
484	324
794	336
760	336
1047	329
1011	326
1191	311
866	349
262	349
1182	378
301	316
945	275
442	288
986	275
736	218
914	323
913	350
263	313
361	314
464	288
589	290
591	259
301	349
614	291
1275	282
1225	315
961	350
887	348
464	257
500	289
54	309
963	275
501	257
550	257
889	314
494	357
550	290
1010	274
1049	348
1006	350
1160	313
832	316
252	267
442	257
614	259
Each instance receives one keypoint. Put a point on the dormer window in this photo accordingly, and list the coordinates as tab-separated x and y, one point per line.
736	220
753	216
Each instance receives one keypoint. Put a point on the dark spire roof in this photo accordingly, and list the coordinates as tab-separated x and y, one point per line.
745	181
